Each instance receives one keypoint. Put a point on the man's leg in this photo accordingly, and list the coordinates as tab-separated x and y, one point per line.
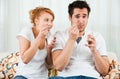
19	77
56	77
86	77
73	77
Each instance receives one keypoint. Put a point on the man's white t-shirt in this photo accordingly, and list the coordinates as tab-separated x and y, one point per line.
81	61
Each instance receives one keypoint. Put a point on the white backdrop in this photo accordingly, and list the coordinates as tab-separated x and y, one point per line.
104	18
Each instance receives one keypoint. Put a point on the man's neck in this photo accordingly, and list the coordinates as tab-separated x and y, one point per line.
81	33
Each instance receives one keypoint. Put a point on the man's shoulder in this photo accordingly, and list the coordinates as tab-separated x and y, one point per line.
94	33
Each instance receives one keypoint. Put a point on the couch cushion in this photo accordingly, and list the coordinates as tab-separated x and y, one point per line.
8	66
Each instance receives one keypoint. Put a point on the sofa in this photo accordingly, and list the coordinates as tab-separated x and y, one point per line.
9	63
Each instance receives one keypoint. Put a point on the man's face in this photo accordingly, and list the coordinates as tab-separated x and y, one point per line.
79	18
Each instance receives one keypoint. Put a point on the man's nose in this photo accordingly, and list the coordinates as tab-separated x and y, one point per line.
81	20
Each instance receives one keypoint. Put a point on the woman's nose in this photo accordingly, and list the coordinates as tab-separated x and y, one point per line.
50	24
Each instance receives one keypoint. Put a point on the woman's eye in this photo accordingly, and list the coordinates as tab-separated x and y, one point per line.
47	20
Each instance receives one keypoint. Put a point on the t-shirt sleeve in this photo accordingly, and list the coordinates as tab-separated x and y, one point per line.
101	45
59	42
25	32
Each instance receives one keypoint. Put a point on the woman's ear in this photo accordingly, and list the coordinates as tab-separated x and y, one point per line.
36	20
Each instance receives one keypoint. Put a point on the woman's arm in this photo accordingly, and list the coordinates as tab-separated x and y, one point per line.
49	53
27	48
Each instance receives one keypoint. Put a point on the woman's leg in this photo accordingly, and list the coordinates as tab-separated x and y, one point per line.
19	77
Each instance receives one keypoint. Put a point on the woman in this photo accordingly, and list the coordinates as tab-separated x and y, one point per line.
35	52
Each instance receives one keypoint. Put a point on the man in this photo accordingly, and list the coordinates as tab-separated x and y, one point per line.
79	53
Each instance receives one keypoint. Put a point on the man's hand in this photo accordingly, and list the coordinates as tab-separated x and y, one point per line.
73	33
91	42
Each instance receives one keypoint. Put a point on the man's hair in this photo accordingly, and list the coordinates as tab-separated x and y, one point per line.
78	4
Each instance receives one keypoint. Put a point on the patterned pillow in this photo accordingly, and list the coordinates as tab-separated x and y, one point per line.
52	72
114	72
8	66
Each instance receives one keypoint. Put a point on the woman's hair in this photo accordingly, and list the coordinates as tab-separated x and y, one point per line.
35	13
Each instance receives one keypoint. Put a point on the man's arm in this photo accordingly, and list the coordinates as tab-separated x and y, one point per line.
61	57
101	62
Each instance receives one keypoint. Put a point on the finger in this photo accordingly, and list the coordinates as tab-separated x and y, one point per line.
89	45
74	25
44	29
45	32
54	39
75	30
91	36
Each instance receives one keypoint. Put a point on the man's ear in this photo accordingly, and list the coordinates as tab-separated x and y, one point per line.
70	18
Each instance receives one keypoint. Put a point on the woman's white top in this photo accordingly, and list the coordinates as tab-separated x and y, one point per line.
36	68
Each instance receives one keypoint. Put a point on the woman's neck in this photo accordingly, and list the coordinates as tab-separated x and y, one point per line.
35	31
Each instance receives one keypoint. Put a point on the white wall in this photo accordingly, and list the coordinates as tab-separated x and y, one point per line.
2	25
104	18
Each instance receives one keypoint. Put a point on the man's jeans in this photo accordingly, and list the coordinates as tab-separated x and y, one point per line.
19	77
72	77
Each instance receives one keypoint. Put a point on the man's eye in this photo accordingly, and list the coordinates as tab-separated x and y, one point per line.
77	16
84	16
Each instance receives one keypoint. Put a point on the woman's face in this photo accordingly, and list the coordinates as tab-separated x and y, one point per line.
44	20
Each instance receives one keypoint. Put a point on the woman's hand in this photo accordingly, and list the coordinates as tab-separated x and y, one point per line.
43	32
49	54
52	43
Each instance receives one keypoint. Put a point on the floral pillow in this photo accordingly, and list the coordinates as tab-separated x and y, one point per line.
114	72
52	72
8	66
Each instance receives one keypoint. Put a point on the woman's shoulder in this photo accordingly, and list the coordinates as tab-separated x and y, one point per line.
26	32
26	29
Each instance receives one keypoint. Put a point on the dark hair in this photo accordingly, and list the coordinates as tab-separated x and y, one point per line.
78	4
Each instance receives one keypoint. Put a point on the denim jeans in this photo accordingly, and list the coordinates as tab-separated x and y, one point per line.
56	77
19	77
86	77
72	77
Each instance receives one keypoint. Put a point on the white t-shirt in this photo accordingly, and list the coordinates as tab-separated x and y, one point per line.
36	68
81	61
